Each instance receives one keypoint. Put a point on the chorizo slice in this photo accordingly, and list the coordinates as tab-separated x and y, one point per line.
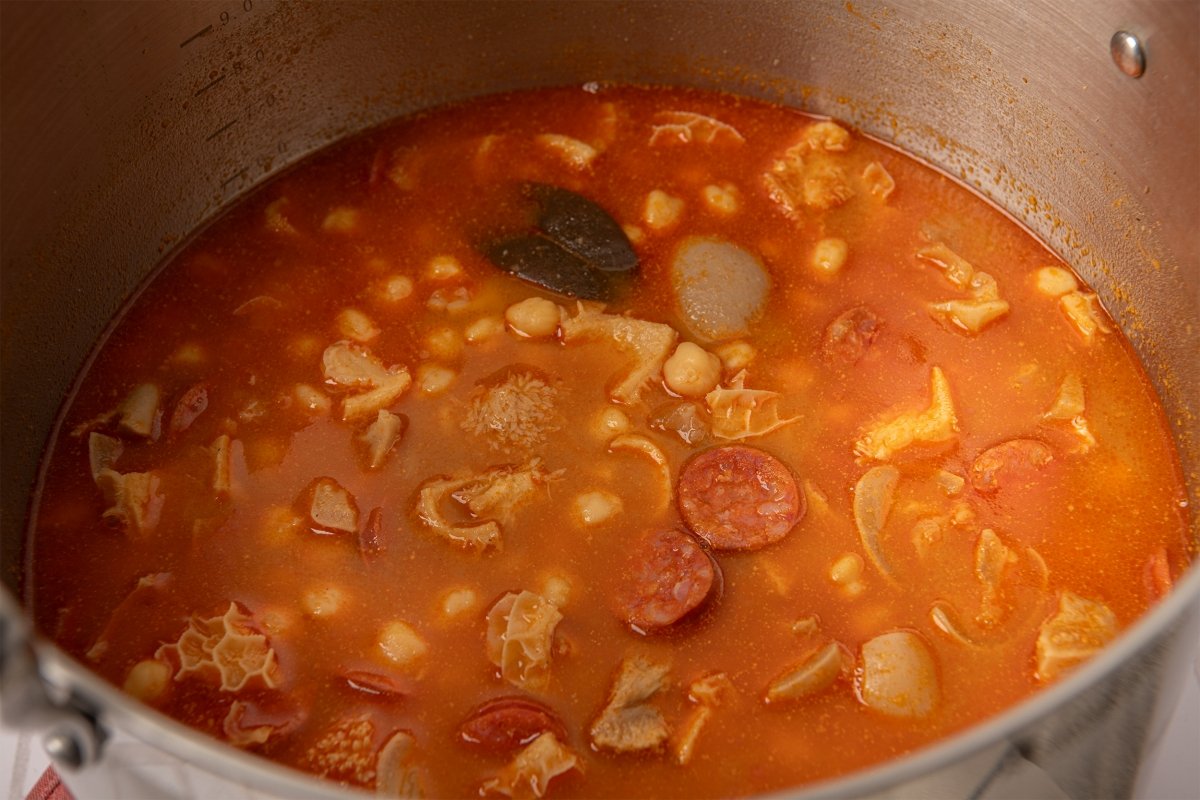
847	338
375	684
191	405
506	723
739	498
1014	461
670	575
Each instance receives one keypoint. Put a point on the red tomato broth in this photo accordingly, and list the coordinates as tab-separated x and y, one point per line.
1095	518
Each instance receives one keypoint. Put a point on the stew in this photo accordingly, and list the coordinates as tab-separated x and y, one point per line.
607	441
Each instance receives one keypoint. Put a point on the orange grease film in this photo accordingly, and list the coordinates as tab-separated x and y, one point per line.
352	486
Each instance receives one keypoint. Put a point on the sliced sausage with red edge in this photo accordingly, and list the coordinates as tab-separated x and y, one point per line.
507	723
670	575
848	337
739	498
1014	463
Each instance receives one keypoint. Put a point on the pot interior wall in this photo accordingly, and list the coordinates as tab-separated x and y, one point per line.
126	126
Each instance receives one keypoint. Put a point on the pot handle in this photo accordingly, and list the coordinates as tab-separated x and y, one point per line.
73	736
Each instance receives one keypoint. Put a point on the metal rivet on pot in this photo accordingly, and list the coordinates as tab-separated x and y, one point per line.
1128	53
64	749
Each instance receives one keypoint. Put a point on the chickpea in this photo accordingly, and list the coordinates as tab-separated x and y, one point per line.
449	300
340	220
484	150
148	679
661	210
692	371
305	346
596	507
721	198
312	399
276	220
557	590
829	256
576	153
796	374
736	355
847	569
847	572
950	483
396	288
434	378
401	644
444	343
190	354
483	329
280	525
534	317
323	601
610	422
774	578
1055	281
443	268
354	324
459	601
265	451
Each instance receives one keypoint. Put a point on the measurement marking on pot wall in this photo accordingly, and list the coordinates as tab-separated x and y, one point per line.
239	174
209	85
207	29
221	129
225	17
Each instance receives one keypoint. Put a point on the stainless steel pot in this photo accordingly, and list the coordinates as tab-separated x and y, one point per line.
125	126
